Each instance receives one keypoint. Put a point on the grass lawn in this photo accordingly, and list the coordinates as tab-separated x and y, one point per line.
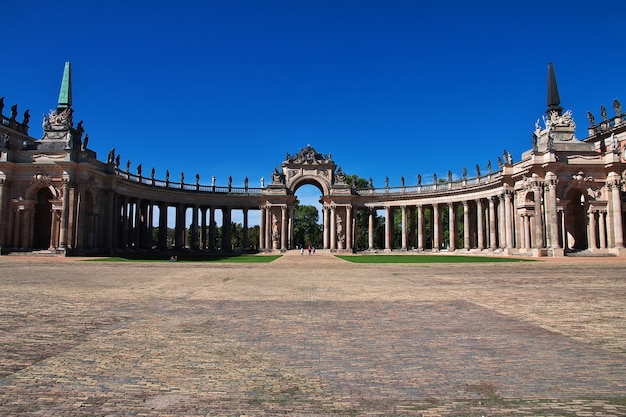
424	259
193	258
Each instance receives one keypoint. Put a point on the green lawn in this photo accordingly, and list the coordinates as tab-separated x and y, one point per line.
424	259
193	258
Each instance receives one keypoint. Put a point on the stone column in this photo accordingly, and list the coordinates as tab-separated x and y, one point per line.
591	232
113	232
149	224
551	216
404	228
466	226
179	231
501	223
388	221
538	235
72	224
194	227
348	228
508	223
370	232
162	225
212	231
452	226
420	228
269	218
81	219
326	215
616	211
262	228
291	243
527	232
54	226
333	231
64	214
124	222
283	228
436	228
602	227
412	231
138	228
493	243
203	227
227	235
3	221
479	224
27	228
18	224
245	242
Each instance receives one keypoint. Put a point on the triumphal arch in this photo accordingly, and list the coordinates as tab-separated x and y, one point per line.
563	195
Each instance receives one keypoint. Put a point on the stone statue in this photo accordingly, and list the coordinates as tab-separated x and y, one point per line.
111	156
464	173
1	104
386	182
128	165
535	139
489	167
197	178
614	145
167	175
371	183
262	182
592	120
85	142
449	176
340	177
617	106
419	179
182	177
213	181
230	183
152	173
13	112
402	181
434	178
500	164
245	183
26	118
477	170
603	112
4	141
139	170
117	162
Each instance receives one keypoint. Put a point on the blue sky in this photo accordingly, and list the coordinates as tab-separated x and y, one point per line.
394	88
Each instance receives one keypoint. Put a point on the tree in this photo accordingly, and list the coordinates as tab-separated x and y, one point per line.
306	229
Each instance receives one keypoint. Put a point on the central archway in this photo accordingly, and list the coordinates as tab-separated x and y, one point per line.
308	217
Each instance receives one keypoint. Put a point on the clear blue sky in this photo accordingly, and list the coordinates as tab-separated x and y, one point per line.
394	88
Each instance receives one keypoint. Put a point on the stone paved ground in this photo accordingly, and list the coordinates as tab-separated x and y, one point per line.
312	335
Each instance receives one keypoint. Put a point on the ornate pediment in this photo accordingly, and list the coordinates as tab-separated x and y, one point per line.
308	155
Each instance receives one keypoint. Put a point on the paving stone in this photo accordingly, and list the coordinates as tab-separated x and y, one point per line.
312	336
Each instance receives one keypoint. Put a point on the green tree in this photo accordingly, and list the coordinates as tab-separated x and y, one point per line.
306	229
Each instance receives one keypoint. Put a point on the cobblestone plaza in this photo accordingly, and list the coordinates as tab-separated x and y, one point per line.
312	335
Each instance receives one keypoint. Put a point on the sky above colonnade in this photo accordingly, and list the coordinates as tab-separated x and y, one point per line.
227	88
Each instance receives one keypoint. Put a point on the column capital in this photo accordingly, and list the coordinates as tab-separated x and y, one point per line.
615	183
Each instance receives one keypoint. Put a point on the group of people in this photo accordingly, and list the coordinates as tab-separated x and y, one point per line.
310	249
